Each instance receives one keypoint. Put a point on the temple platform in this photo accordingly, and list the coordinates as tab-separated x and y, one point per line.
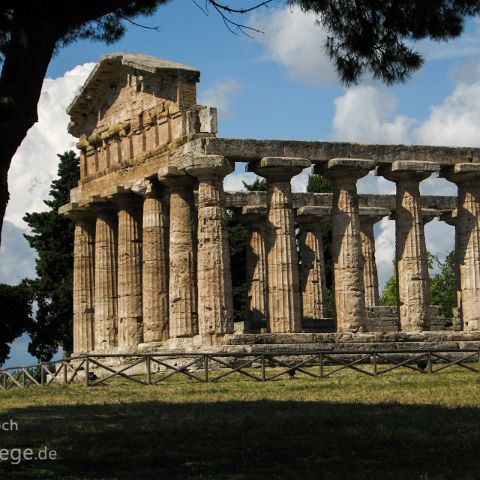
310	342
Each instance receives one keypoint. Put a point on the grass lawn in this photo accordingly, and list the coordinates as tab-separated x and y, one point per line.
403	425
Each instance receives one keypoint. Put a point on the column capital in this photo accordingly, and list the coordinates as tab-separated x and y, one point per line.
412	170
253	214
312	216
127	200
372	215
83	216
176	179
449	217
209	166
342	169
146	188
278	169
462	173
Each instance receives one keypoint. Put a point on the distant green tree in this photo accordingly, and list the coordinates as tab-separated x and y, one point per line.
389	294
318	184
259	185
442	284
16	314
52	238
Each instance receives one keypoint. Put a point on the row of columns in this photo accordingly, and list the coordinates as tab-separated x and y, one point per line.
155	270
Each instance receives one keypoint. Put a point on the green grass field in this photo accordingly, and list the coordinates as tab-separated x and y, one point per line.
401	426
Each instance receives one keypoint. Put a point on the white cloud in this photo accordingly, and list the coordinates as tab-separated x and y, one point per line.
221	95
366	114
455	121
295	40
35	164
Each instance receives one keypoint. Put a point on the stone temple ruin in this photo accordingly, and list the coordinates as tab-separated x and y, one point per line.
151	258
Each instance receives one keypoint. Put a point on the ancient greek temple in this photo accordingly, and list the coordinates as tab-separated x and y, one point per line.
151	255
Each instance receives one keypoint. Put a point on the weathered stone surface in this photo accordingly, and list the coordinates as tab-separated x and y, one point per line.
83	285
256	268
183	316
284	301
312	269
155	266
368	217
467	239
244	150
215	303
410	250
106	323
129	264
349	290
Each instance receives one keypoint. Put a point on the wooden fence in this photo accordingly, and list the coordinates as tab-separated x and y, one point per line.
152	369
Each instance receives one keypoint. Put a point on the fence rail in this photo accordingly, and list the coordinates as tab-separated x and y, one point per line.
154	368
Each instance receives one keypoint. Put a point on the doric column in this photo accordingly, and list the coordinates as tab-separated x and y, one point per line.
182	289
349	290
368	217
450	218
83	283
215	301
312	269
467	234
413	286
257	301
106	281
130	325
154	261
284	300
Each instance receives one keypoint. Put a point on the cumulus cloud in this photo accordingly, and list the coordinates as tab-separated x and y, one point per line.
35	164
221	94
295	40
367	114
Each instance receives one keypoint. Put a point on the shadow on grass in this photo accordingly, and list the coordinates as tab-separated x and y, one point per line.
248	440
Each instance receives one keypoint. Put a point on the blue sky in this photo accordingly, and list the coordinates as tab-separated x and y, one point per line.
276	85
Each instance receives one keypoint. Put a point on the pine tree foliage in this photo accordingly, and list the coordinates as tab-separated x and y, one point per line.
376	36
52	238
15	314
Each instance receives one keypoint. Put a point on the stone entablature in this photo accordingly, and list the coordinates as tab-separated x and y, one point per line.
151	262
133	107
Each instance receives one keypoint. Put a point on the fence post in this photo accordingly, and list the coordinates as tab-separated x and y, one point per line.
205	369
42	374
375	369
65	371
87	372
263	367
321	365
148	367
429	362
